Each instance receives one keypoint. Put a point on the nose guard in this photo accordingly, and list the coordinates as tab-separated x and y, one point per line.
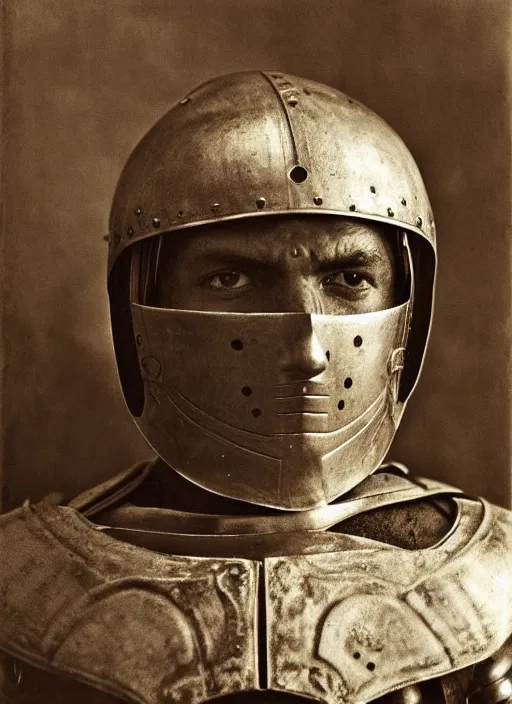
286	410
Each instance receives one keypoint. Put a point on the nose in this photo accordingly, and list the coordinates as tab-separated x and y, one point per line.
304	358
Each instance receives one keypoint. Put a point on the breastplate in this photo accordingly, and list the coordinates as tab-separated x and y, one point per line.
348	620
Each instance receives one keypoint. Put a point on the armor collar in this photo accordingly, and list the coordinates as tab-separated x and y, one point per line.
377	491
341	627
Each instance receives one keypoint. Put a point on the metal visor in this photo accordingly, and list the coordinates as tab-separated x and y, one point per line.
228	407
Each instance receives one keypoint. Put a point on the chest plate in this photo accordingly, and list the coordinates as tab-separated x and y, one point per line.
346	626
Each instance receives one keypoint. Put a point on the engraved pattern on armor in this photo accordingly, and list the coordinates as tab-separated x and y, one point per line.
336	622
130	622
117	617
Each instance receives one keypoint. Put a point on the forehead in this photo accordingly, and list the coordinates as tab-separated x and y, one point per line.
267	236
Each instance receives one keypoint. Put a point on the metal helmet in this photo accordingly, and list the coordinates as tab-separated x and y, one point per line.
207	389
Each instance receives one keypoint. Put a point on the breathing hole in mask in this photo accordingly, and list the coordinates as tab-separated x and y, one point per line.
246	391
256	412
358	341
237	345
347	383
341	404
328	356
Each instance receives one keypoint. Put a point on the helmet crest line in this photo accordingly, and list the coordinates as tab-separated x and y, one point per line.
282	103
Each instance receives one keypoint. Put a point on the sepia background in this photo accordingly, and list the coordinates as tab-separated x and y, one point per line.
83	81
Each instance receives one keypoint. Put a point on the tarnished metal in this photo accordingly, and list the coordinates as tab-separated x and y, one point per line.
138	625
241	138
251	433
250	145
239	134
260	536
377	491
340	628
355	625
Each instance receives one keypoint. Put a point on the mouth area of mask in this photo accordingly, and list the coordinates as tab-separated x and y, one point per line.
283	409
271	374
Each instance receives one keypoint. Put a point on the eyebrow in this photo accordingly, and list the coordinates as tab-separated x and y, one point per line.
356	258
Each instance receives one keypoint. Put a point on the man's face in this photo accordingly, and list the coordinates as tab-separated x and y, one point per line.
310	264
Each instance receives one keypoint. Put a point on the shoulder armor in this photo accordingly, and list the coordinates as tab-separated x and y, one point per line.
113	490
384	618
137	625
340	627
397	468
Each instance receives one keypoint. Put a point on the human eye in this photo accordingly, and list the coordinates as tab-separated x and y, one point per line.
226	281
354	280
